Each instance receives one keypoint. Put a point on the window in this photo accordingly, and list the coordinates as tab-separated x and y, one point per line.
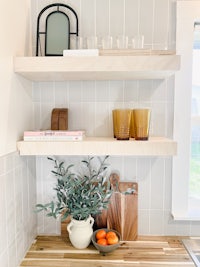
188	12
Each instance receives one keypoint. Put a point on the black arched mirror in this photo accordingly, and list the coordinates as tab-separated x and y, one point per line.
57	31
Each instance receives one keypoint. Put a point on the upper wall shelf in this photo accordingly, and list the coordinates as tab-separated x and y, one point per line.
155	146
110	65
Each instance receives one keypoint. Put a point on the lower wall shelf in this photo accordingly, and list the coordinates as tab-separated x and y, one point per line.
155	146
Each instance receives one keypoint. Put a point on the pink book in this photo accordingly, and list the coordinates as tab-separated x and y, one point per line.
54	133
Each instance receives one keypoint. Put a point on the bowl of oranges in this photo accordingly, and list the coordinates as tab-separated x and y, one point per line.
106	240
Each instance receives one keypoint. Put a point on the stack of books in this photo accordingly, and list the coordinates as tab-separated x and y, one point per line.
51	135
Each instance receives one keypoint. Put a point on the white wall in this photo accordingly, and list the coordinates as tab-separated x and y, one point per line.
15	93
17	174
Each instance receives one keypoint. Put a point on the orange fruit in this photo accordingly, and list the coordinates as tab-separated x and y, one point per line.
101	234
102	241
112	240
111	234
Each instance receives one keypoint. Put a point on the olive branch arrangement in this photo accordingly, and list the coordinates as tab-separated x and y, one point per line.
79	194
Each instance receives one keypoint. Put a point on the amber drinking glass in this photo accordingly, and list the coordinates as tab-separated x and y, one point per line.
141	123
121	123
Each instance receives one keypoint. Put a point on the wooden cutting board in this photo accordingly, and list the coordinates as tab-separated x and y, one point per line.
122	214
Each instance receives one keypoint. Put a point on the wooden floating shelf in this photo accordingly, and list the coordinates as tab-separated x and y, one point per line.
107	66
155	146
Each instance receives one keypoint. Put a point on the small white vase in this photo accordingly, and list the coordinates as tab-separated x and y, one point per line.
80	232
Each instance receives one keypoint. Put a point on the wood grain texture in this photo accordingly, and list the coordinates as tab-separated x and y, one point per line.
148	65
122	214
49	251
155	146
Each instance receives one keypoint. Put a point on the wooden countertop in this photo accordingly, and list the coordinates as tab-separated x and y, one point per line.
147	251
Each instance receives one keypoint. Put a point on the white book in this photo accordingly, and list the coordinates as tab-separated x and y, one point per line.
80	52
54	138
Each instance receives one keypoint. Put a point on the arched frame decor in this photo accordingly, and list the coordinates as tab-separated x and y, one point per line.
57	30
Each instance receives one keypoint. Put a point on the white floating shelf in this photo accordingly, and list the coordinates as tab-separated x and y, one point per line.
155	146
104	67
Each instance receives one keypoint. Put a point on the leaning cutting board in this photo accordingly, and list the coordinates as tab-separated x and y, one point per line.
122	214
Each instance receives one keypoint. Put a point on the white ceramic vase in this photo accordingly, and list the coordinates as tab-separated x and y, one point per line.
80	232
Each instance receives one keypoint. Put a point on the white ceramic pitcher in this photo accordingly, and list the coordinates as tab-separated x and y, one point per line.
80	232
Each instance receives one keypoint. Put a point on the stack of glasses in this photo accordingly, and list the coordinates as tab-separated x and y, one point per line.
129	123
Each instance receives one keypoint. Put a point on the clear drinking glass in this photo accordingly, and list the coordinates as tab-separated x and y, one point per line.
107	42
92	42
122	42
138	42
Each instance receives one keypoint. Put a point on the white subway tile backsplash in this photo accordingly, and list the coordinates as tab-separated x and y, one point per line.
183	228
74	117
117	17
47	92
20	248
131	18
145	91
157	183
161	26
90	107
146	20
3	234
156	222
167	184
144	222
2	165
76	5
116	91
130	169
2	199
172	23
37	118
61	95
169	225
88	20
143	168
170	89
9	162
102	124
144	183
117	166
36	92
75	89
195	228
102	91
12	255
131	91
88	91
158	119
102	18
51	225
4	259
88	117
159	88
46	109
15	224
169	118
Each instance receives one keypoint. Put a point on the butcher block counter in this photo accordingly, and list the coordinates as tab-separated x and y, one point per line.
56	251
